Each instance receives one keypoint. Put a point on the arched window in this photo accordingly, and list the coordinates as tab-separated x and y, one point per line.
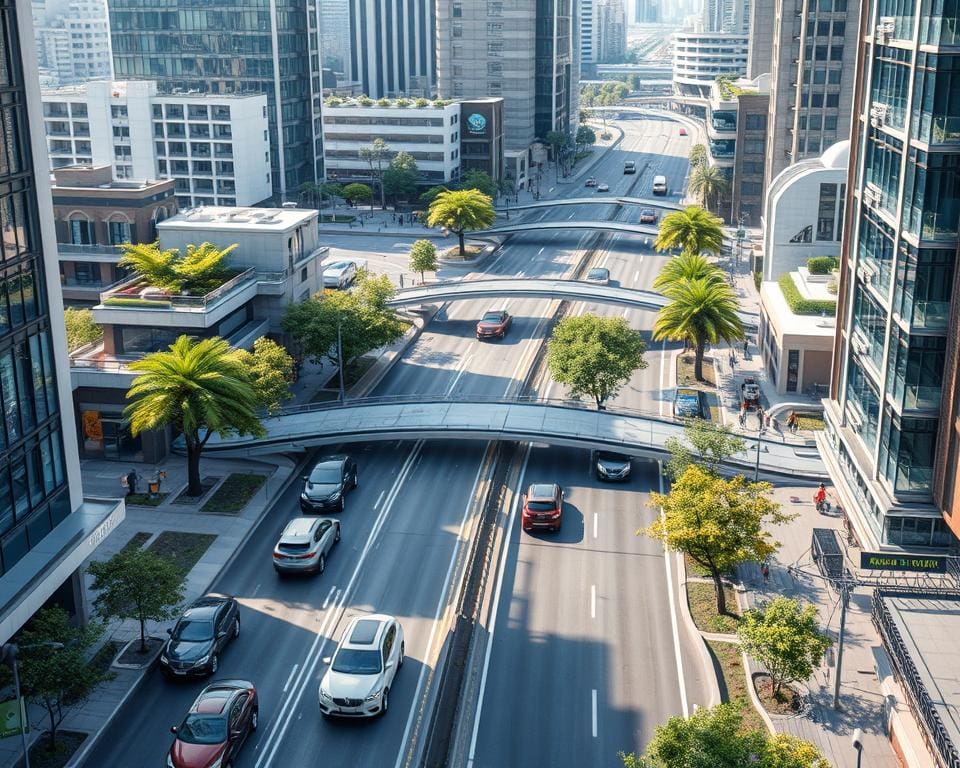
119	228
82	229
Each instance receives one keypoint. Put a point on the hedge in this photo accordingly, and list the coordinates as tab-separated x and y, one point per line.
801	306
757	279
118	301
822	265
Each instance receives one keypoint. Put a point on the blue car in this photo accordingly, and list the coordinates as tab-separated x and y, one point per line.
686	404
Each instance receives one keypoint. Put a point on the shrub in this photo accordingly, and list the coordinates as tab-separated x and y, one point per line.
402	102
420	103
822	265
364	101
383	102
833	288
119	301
801	306
334	101
439	103
757	279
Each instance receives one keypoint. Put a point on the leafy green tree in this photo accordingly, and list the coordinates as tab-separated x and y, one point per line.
423	257
81	329
400	179
331	191
270	368
480	181
785	637
784	750
686	266
693	230
197	272
365	320
697	156
358	193
460	211
704	444
309	193
594	355
717	522
555	140
53	663
709	182
431	194
588	95
137	584
699	312
375	155
586	137
200	388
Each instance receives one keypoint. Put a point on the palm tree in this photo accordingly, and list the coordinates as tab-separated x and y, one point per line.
700	312
197	272
197	388
686	266
461	210
693	230
709	183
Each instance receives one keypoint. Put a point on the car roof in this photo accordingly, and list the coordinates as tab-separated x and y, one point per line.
365	631
340	265
214	698
210	600
334	460
300	526
204	612
681	392
542	491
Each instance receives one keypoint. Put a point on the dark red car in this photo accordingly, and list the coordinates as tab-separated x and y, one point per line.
494	324
217	725
543	507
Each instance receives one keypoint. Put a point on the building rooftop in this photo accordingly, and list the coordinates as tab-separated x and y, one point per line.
789	323
238	219
87	177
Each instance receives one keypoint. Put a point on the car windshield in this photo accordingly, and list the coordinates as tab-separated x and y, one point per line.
491	317
597	274
353	662
541	506
617	457
203	729
192	631
322	475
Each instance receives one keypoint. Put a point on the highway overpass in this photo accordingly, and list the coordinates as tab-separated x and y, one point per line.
543	226
597	200
556	422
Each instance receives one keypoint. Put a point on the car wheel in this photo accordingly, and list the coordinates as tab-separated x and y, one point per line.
236	627
321	564
254	719
400	661
214	663
384	703
337	537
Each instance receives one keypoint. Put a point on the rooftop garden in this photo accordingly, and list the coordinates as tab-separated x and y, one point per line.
728	89
799	304
401	103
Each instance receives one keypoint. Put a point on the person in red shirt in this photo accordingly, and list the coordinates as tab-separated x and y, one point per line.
820	497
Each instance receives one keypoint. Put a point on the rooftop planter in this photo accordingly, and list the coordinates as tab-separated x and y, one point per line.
138	293
399	103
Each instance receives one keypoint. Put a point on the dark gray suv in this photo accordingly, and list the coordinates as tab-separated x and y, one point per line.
200	635
327	484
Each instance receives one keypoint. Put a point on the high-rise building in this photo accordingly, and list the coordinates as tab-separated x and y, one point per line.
47	529
392	50
483	49
890	442
73	40
234	48
610	24
586	31
731	16
812	45
700	57
335	35
647	12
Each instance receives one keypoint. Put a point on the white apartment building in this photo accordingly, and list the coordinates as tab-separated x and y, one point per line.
194	139
700	57
610	30
430	133
73	40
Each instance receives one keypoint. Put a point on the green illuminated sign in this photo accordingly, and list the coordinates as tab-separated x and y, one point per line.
882	561
11	715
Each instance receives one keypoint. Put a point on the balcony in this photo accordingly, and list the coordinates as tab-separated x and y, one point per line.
109	254
724	149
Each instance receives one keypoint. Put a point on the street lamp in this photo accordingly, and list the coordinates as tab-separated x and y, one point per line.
340	360
8	656
756	471
858	744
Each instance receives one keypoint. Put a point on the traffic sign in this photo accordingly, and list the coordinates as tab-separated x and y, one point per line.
884	561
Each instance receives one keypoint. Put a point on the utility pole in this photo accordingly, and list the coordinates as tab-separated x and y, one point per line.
844	599
8	654
756	469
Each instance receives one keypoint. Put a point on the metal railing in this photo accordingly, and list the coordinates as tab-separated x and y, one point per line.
177	302
76	249
923	704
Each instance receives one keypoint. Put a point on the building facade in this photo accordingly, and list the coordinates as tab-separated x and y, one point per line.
647	12
335	43
586	31
890	426
481	137
233	49
700	57
610	23
47	529
196	139
73	40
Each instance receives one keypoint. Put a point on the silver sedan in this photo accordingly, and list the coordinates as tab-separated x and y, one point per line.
305	544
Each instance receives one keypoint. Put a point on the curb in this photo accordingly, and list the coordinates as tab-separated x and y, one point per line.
596	158
706	660
488	250
376	374
754	699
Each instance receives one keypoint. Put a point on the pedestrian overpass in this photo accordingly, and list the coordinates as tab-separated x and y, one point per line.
543	226
555	422
644	202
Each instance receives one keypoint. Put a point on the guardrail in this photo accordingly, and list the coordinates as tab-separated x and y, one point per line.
176	301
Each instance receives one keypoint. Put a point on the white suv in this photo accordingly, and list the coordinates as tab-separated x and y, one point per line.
357	684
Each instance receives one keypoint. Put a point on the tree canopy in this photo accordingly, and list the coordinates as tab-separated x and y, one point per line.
400	178
197	272
594	355
375	155
585	137
479	180
697	155
686	266
357	193
270	368
81	329
693	230
718	522
709	182
423	257
703	443
460	211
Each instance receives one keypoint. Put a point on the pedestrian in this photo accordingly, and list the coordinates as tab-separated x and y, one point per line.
760	416
765	571
131	482
820	498
745	346
361	222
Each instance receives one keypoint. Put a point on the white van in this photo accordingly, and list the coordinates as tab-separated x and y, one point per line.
659	185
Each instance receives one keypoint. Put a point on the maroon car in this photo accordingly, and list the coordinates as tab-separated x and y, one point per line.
217	725
494	324
542	507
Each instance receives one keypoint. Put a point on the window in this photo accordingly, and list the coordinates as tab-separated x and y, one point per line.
836	53
756	122
816	100
833	100
839	28
494	28
830	122
457	10
820	53
793	369
118	110
823	29
457	29
82	232
826	215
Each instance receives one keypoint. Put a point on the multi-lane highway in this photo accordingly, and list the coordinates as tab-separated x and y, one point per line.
585	646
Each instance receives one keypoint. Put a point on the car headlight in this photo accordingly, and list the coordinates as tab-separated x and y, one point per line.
375	695
203	659
325	696
335	495
164	659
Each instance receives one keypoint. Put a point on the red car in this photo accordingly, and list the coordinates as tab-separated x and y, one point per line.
494	324
543	507
217	725
683	131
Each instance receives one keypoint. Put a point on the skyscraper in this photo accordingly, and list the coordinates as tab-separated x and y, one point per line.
335	35
891	419
393	45
73	40
610	22
233	47
46	528
647	12
586	31
731	16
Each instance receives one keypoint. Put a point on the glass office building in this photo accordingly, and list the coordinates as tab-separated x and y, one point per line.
885	430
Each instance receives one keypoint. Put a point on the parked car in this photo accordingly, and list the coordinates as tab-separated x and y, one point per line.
200	635
598	275
305	544
683	131
362	670
339	274
591	182
612	466
494	324
603	187
686	403
327	484
750	392
648	216
542	507
219	721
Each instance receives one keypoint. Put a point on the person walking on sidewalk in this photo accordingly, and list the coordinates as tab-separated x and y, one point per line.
820	499
131	482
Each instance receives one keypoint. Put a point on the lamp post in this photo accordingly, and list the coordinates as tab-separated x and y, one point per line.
756	470
8	656
858	744
340	360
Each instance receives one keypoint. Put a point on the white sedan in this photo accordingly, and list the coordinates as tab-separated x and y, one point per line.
339	275
602	187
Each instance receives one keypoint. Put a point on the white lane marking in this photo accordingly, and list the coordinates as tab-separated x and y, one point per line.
593	601
461	368
329	596
275	737
663	369
255	590
379	499
436	619
596	518
594	723
495	609
673	613
292	673
542	249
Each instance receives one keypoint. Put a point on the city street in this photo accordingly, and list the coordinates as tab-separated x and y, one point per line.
585	639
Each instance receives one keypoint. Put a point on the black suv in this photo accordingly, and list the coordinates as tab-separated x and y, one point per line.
200	635
327	484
